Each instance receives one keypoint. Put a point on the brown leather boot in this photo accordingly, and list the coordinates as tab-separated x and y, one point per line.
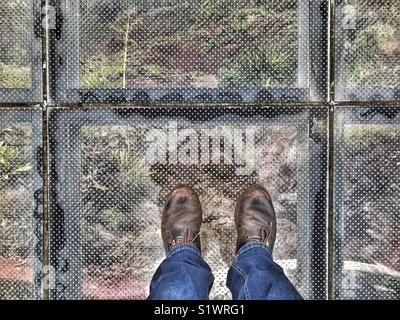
255	218
181	218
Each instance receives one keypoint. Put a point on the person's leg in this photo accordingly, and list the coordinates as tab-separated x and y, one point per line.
254	274
183	275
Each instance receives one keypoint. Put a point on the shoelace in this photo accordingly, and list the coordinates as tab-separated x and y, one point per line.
264	238
182	239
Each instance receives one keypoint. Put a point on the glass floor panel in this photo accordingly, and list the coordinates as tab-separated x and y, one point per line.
20	51
16	51
367	56
20	204
208	51
367	207
112	167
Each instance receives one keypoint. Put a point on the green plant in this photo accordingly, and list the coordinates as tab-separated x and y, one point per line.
384	33
372	58
153	70
112	220
224	37
14	76
12	163
101	76
241	21
378	74
261	66
372	42
208	13
366	137
115	179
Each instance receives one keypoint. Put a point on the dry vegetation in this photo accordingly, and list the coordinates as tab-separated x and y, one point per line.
16	210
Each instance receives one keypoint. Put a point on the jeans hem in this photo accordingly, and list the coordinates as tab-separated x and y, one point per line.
183	247
252	245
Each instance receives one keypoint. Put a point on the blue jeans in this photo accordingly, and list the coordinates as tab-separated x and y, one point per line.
184	275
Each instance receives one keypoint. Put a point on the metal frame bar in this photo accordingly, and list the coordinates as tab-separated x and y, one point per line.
38	214
318	163
319	25
336	242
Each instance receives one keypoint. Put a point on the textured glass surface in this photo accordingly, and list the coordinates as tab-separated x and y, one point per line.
368	50
192	43
367	230
19	207
116	149
202	50
117	165
16	25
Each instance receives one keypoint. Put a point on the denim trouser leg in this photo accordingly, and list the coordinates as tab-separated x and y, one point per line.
255	276
183	275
